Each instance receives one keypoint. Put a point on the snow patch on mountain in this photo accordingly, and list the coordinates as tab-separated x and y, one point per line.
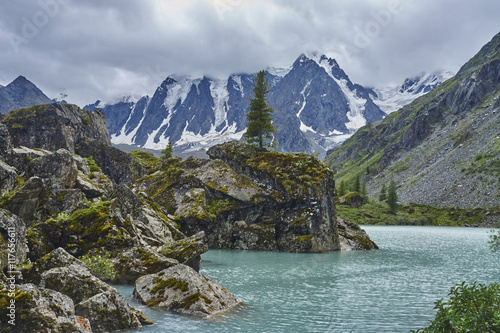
393	98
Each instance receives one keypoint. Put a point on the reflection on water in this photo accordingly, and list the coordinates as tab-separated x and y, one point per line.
389	290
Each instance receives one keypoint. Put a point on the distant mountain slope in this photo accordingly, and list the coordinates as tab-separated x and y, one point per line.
21	93
316	107
443	148
391	99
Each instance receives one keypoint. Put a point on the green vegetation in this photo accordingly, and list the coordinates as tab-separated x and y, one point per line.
148	160
92	165
259	121
383	194
295	172
494	240
470	308
167	152
100	266
392	197
415	214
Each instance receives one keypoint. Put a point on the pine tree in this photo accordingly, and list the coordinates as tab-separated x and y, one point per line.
259	121
383	194
357	184
342	189
167	152
363	190
392	197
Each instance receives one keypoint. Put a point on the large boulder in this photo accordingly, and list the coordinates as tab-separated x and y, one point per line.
39	310
58	170
57	258
108	311
188	250
250	198
24	200
181	289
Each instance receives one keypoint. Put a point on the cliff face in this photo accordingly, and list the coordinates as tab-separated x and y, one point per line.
246	198
55	126
443	149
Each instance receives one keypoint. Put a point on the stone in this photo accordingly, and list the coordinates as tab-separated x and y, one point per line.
24	200
8	177
58	170
132	263
41	310
352	237
188	250
13	246
74	280
55	259
108	311
5	142
181	289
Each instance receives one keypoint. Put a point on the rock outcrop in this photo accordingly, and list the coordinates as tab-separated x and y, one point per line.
249	198
74	129
181	289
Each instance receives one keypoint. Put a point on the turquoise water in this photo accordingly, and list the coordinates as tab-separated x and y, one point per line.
389	290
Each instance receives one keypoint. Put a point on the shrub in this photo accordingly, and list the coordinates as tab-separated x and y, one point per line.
100	266
470	308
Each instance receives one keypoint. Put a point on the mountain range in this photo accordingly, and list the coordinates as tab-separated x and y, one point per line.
316	108
443	148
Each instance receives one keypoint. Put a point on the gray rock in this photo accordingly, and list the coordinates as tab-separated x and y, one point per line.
75	280
55	259
5	142
20	157
188	250
24	200
13	247
132	263
8	177
352	237
58	170
44	310
181	289
108	311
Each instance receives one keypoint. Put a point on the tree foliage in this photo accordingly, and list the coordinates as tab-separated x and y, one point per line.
342	189
470	308
383	194
494	240
167	152
259	121
392	197
356	187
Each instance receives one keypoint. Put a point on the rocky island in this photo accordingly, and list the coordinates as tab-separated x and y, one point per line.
69	197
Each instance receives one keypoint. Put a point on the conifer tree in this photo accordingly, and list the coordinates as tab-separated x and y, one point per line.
342	189
392	197
357	184
167	152
259	121
383	194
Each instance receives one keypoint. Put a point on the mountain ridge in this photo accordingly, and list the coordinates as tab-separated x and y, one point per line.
443	148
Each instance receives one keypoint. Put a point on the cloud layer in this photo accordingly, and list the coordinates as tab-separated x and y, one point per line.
106	49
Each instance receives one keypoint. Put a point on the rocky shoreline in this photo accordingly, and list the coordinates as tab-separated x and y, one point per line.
67	194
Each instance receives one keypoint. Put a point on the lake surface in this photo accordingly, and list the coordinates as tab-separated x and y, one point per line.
389	290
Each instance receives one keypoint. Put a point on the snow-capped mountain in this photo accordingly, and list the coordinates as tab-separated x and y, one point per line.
316	107
391	99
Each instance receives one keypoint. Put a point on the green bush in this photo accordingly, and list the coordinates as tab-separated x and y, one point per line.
470	308
100	266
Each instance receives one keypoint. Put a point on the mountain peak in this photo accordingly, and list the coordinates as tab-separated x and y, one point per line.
21	93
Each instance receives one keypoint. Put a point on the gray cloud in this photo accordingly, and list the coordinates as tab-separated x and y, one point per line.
106	49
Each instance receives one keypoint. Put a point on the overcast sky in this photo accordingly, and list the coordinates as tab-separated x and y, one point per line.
97	49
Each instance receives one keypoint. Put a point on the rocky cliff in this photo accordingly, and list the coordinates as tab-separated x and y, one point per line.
443	149
247	198
56	206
